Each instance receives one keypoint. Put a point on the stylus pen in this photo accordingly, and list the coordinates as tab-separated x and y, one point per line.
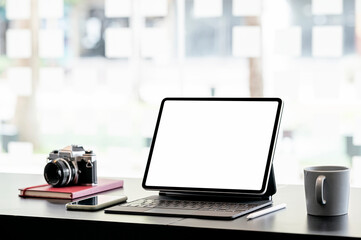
266	211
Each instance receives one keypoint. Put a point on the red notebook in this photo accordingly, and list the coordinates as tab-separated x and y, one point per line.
70	192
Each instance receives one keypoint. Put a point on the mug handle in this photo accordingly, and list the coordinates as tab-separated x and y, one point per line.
319	189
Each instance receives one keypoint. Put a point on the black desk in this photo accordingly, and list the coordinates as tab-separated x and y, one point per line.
49	218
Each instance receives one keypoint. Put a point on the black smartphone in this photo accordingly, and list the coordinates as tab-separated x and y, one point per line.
95	202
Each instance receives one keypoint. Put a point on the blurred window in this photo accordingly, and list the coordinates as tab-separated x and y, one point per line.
94	72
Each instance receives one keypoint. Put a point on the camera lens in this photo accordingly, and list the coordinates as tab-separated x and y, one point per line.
59	172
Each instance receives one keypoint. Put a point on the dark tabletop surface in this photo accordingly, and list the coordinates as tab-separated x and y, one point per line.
292	220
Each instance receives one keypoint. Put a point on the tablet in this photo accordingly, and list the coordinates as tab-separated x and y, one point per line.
213	145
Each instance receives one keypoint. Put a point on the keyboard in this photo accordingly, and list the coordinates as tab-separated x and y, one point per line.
158	205
195	205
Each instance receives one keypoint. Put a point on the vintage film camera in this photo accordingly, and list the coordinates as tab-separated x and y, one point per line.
71	165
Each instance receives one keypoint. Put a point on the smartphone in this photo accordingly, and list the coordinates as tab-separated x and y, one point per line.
96	202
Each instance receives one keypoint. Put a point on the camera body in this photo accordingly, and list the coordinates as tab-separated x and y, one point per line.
71	165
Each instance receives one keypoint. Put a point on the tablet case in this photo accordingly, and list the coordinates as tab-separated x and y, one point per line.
271	190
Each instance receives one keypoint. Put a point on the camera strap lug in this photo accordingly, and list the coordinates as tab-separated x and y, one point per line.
89	164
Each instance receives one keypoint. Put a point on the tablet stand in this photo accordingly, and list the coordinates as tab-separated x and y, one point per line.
271	190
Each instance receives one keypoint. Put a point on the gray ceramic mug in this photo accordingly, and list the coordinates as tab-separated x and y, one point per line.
327	190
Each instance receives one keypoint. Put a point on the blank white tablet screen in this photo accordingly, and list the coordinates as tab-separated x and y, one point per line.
212	144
